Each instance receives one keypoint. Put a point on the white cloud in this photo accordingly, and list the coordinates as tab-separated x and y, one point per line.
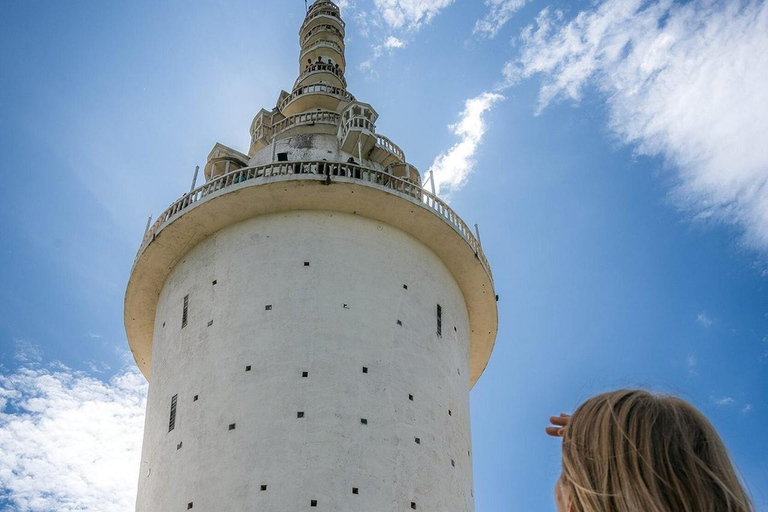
499	13
747	408
692	363
393	42
69	442
721	401
26	351
703	320
452	168
410	14
684	81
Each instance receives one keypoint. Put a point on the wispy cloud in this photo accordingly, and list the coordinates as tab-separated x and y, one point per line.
410	14
402	19
703	320
69	442
499	13
692	363
452	168
684	81
747	408
26	351
721	400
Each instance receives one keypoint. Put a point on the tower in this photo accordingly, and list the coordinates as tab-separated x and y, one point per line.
311	320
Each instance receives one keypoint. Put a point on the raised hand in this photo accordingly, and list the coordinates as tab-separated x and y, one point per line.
559	422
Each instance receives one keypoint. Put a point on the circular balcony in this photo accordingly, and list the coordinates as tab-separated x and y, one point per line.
319	72
321	16
326	49
322	32
316	96
310	185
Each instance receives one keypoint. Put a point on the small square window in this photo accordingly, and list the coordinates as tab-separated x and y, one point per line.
213	283
210	323
300	414
178	446
282	157
365	369
399	322
313	503
263	487
231	426
346	306
355	490
410	397
305	374
248	368
405	287
363	421
268	307
194	398
189	505
306	263
413	505
417	440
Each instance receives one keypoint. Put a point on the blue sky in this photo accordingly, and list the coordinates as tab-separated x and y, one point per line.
613	154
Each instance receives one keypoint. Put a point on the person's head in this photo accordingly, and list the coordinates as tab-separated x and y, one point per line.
630	451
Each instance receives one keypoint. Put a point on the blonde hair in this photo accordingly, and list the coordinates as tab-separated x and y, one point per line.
631	451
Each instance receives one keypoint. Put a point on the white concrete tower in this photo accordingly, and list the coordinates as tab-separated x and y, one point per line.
311	320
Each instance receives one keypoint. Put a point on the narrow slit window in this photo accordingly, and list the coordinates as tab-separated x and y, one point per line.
439	320
172	420
184	312
178	446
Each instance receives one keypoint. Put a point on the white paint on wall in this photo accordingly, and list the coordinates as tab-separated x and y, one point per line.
353	261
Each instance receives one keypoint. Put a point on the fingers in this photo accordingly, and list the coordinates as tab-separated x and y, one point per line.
555	431
559	422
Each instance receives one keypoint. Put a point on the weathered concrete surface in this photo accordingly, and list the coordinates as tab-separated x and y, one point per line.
353	261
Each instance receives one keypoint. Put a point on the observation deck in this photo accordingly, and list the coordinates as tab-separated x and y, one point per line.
395	198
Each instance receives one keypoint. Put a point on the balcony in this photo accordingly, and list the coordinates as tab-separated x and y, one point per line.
326	171
321	16
262	134
386	152
322	71
322	49
316	96
322	32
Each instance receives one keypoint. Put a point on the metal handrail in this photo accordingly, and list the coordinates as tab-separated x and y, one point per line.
321	168
318	67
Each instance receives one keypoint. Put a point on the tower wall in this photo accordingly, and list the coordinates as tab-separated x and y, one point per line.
330	319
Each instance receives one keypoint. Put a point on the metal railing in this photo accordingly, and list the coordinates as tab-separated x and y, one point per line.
319	168
339	92
266	131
